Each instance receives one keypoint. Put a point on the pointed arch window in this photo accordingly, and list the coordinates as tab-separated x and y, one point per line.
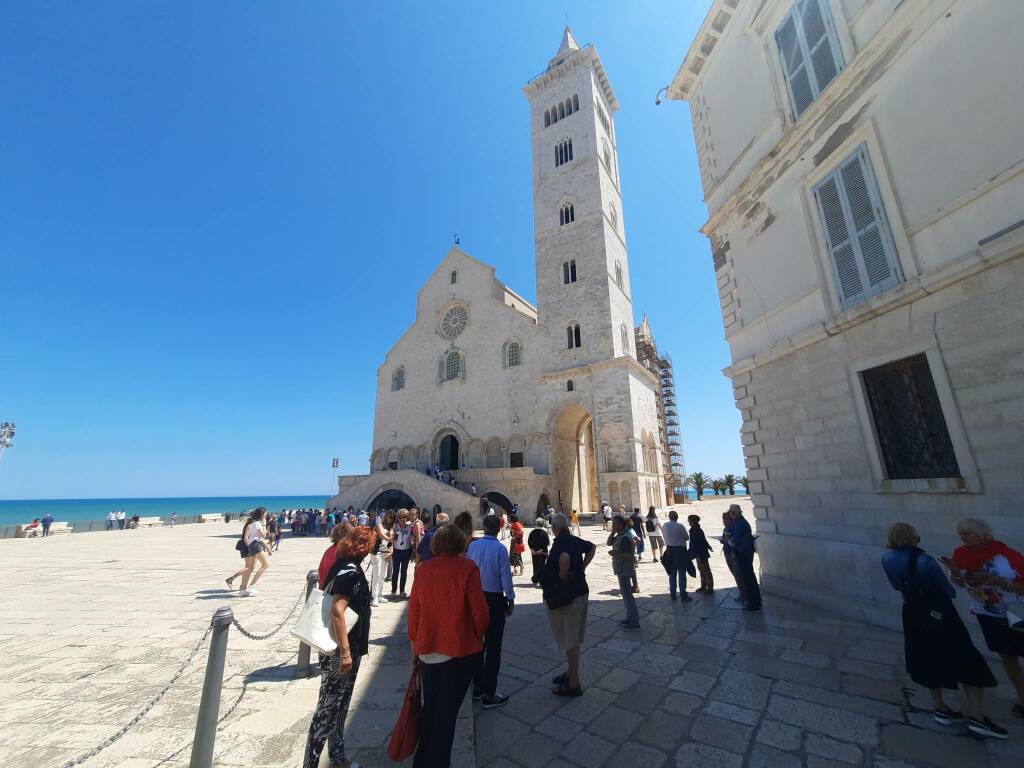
561	111
570	385
563	152
613	216
575	102
547	118
624	331
454	277
513	354
618	274
569	271
573	339
566	214
398	379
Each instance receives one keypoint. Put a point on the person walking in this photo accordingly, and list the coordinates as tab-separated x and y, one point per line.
253	536
992	575
730	558
655	537
516	546
464	522
637	524
700	553
347	586
566	595
492	559
121	517
675	560
623	566
111	520
401	554
376	558
606	514
742	540
937	647
447	618
46	522
538	541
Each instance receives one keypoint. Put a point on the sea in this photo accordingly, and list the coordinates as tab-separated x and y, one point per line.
14	512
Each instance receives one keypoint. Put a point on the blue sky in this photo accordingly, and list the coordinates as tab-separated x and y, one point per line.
215	217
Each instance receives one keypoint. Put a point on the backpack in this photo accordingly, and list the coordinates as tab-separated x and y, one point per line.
651	527
423	550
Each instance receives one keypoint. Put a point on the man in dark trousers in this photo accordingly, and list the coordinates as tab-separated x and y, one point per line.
742	540
491	558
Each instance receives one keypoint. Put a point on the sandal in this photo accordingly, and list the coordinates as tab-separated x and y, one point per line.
565	690
562	679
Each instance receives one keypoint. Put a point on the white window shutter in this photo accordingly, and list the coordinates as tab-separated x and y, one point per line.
787	37
819	43
837	237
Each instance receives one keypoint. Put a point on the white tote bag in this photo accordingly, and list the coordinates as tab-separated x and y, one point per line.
314	623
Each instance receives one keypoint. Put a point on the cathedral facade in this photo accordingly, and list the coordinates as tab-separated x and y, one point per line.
535	406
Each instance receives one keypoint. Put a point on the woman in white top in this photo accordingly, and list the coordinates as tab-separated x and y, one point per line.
655	537
253	535
402	542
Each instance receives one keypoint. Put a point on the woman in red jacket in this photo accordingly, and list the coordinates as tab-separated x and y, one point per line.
447	620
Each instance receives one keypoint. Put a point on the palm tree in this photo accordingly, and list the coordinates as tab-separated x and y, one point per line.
720	486
742	480
730	484
699	482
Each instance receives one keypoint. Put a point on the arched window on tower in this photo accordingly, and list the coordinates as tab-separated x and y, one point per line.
454	277
561	111
570	385
624	332
547	118
606	153
577	339
398	379
513	354
575	102
613	216
563	152
566	214
569	271
568	106
618	274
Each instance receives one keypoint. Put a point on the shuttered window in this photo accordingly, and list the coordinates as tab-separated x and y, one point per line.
811	57
856	230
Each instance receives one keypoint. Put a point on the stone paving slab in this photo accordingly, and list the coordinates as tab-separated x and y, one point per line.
704	684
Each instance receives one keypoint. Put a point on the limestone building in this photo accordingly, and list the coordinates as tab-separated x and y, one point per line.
863	167
528	405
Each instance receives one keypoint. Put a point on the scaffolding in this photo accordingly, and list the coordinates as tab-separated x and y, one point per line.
660	365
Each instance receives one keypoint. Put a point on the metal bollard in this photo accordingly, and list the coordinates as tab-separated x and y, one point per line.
312	579
209	705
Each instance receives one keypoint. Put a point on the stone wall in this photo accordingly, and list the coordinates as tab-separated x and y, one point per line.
821	516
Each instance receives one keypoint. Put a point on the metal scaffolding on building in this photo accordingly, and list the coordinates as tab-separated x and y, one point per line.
660	365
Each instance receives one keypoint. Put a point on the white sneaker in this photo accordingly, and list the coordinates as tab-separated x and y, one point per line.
248	593
375	604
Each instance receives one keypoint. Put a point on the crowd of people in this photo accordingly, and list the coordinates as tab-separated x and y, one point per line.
464	594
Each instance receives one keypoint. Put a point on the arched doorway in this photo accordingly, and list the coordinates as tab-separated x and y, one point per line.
542	504
499	500
448	453
391	499
573	459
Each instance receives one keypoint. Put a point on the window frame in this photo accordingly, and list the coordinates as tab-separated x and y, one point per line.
443	366
840	55
506	356
969	480
398	378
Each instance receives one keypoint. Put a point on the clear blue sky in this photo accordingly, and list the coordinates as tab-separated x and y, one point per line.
214	218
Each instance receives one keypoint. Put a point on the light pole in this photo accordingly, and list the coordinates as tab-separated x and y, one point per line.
334	466
6	435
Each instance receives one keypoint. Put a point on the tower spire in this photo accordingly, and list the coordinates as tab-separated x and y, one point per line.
568	43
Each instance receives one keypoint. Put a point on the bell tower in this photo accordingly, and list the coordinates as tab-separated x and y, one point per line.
583	290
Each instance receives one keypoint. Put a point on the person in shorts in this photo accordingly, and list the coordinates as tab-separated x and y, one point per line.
565	587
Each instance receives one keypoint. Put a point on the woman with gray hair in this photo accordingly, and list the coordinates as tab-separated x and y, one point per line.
992	575
938	649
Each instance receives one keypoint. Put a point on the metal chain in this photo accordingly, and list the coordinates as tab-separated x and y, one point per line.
142	713
275	630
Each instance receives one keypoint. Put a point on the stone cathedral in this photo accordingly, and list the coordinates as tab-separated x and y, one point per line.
521	404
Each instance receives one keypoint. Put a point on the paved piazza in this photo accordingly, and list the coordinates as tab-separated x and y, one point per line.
96	624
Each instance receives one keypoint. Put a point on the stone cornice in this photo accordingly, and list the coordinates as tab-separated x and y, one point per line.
625	361
587	55
703	46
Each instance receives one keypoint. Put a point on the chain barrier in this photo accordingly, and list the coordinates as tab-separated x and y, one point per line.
275	630
188	660
142	713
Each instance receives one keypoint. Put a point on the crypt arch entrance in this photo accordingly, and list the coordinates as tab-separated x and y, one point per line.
392	498
497	500
574	459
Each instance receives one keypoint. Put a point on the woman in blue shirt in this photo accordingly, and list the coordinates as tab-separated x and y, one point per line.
938	650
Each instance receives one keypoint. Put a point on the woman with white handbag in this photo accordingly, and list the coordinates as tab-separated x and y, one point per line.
349	619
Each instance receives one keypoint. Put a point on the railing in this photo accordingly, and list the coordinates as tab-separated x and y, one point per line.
209	717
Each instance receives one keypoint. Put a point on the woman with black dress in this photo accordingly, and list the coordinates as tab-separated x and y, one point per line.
939	652
347	584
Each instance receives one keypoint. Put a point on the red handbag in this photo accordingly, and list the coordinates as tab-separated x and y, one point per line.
406	733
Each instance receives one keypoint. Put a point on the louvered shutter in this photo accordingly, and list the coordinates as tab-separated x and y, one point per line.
794	65
857	233
837	237
819	44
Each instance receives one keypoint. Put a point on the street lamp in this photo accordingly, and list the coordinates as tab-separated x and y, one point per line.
657	98
6	435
